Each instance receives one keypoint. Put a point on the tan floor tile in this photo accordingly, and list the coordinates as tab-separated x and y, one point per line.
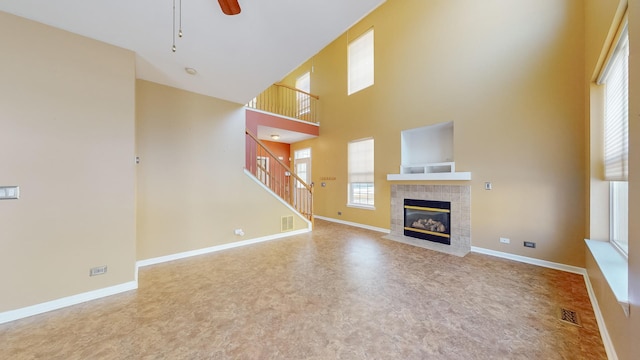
337	293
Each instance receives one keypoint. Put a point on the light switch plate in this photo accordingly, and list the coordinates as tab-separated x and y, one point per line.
9	192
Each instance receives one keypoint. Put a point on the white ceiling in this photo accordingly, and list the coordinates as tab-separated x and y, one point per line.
236	56
285	136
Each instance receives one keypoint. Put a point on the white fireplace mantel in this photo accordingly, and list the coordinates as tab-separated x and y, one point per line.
429	171
444	176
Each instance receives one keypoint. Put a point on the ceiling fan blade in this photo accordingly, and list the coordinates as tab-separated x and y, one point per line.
230	7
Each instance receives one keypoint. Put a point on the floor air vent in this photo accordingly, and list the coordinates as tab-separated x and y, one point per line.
286	223
569	316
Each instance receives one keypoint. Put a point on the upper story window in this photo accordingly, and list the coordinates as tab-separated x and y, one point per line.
304	100
302	154
360	173
615	78
360	62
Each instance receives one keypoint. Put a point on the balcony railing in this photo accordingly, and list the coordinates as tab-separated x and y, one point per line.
287	101
278	177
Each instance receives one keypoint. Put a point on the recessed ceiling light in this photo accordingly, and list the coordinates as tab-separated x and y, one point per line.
275	136
190	71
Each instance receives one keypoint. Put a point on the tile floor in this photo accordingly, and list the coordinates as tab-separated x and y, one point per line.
337	293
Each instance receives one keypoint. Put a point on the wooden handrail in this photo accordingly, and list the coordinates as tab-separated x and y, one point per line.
307	186
298	90
278	177
285	100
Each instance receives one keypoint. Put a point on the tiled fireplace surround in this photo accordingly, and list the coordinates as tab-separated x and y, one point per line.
460	198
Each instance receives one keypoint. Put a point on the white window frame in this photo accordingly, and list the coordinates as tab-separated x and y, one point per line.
615	78
612	261
360	173
619	216
360	63
303	82
302	157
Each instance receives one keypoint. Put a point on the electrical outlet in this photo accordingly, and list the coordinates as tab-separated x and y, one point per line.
99	270
238	232
530	244
488	186
505	240
9	193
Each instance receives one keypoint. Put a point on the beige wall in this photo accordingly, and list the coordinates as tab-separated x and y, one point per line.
70	106
508	74
67	139
192	191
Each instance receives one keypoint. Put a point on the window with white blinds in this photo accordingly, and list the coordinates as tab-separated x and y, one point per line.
615	78
360	173
360	62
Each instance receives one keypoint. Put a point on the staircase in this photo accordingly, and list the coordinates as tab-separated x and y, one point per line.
278	177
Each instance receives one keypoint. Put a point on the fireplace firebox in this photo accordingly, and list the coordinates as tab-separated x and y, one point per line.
428	220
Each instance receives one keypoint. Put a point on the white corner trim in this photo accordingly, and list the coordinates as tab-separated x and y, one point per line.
362	226
186	254
528	260
606	339
254	179
24	312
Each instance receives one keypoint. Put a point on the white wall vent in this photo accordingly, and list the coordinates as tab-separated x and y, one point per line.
286	223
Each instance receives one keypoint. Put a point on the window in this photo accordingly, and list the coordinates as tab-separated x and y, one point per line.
619	212
304	102
360	173
360	62
615	78
616	128
302	163
302	154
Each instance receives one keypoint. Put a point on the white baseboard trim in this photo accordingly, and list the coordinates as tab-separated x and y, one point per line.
528	260
362	226
17	314
606	339
212	249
